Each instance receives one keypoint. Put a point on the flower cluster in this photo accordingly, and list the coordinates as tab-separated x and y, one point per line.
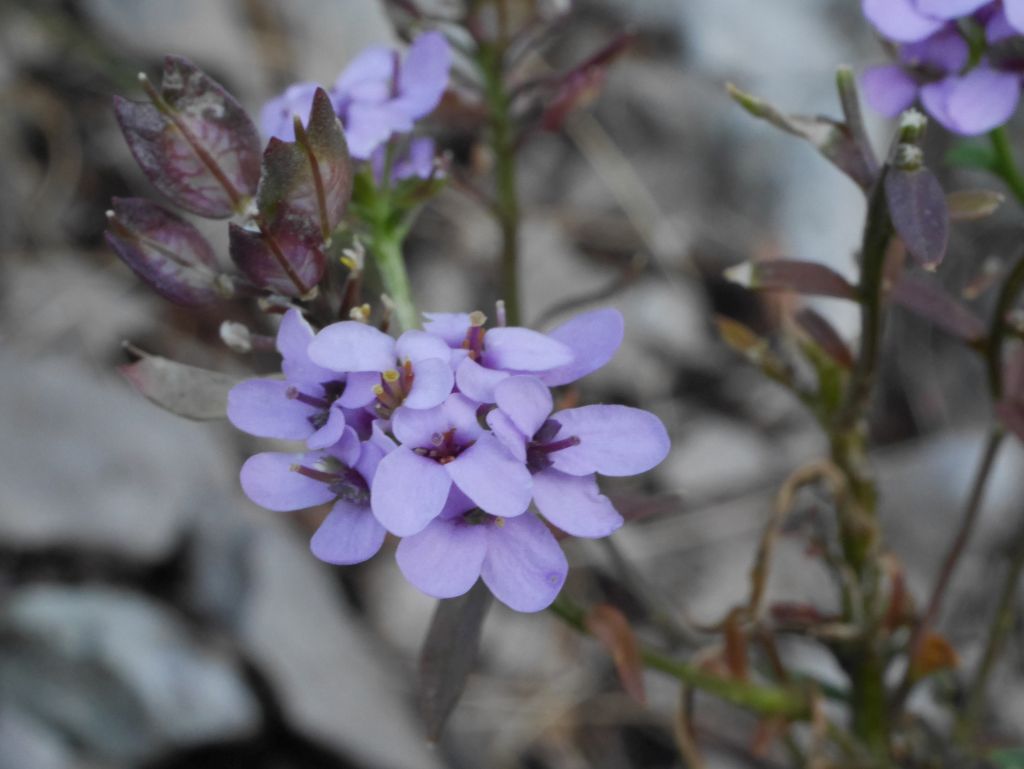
955	56
376	97
445	437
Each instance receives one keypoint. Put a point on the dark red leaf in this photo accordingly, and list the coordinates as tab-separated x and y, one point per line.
164	250
917	205
187	391
306	184
811	278
821	332
925	297
581	85
449	654
283	264
193	140
609	626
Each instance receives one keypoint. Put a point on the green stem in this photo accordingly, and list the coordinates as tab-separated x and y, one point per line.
761	699
1005	167
386	246
506	209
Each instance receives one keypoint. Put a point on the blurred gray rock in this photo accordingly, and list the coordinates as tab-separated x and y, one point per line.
118	673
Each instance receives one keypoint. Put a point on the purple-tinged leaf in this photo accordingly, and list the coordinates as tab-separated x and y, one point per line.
831	138
582	84
449	654
306	184
971	205
822	333
188	391
925	297
609	626
164	250
193	140
917	205
287	263
791	275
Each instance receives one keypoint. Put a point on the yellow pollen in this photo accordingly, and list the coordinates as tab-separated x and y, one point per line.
390	375
499	522
378	390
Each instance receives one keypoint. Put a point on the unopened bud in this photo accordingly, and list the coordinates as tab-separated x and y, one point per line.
236	336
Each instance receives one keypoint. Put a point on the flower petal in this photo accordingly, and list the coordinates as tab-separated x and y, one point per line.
506	432
452	327
524	567
1014	10
408	491
268	480
293	338
889	90
983	99
370	455
261	407
899	20
443	560
593	338
358	390
352	346
945	51
347	449
432	382
574	504
522	349
375	64
949	9
415	345
614	440
277	115
416	428
331	432
477	382
527	402
349	534
424	75
490	476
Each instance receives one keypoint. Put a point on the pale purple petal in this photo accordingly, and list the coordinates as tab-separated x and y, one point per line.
278	115
462	416
458	504
359	389
367	126
490	476
1014	10
417	427
575	504
352	346
477	382
527	402
889	90
432	382
293	338
522	349
593	338
525	567
415	345
349	534
424	74
408	491
331	432
614	440
506	432
373	65
262	408
945	51
418	160
268	480
359	420
380	438
347	449
899	20
949	9
443	560
975	103
452	327
370	455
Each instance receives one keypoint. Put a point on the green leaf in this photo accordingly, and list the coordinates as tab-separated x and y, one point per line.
1008	758
972	155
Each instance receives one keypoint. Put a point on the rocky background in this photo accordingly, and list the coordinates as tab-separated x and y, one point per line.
150	616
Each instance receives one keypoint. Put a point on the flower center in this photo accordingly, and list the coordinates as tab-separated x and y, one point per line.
443	447
543	445
395	386
331	392
344	482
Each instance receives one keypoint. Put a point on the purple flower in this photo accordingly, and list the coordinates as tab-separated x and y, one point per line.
277	118
309	404
489	356
518	558
564	452
377	95
439	448
417	161
413	372
341	474
908	21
